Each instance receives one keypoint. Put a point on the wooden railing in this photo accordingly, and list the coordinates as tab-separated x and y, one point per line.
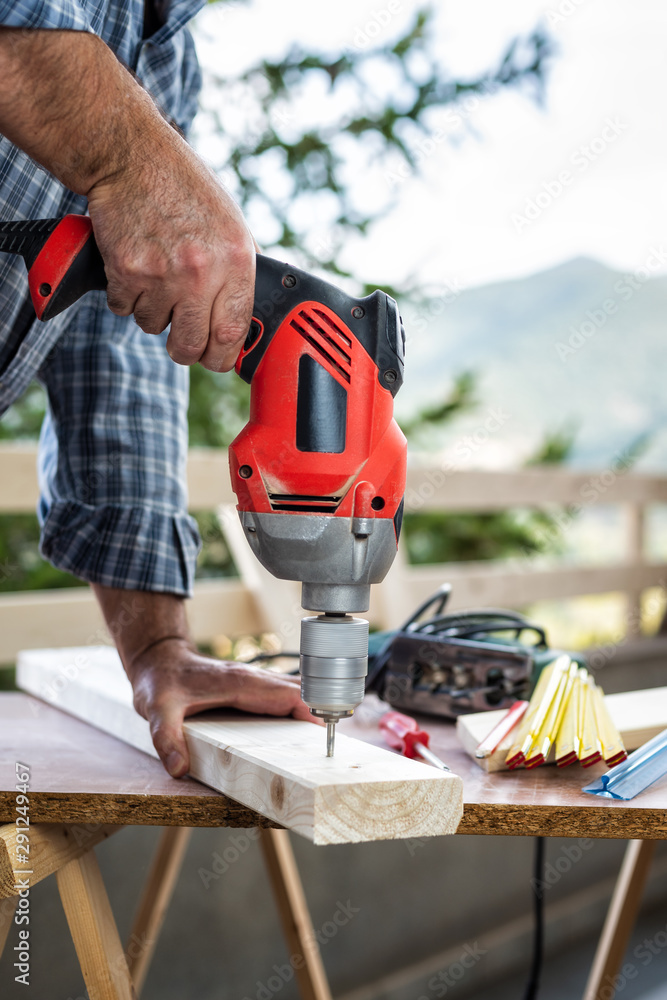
256	601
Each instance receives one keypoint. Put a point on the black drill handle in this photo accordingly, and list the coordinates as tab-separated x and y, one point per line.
62	258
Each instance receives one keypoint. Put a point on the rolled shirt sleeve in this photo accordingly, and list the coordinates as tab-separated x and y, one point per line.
113	454
62	14
113	448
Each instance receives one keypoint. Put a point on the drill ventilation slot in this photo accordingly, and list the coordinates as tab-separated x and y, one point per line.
305	504
326	337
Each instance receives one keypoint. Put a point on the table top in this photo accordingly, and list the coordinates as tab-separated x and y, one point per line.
80	775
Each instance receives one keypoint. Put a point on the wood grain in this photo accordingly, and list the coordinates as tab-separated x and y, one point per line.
638	716
51	847
94	930
276	766
80	775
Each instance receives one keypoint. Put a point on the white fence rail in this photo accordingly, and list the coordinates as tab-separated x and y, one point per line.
257	601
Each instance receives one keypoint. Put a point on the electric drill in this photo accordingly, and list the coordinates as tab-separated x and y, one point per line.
319	469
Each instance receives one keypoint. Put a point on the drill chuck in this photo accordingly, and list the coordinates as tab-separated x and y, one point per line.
334	664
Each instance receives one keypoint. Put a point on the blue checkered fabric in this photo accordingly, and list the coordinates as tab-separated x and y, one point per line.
113	447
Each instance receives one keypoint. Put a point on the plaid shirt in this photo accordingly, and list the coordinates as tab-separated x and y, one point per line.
113	447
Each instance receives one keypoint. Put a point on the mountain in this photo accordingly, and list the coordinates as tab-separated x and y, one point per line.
579	345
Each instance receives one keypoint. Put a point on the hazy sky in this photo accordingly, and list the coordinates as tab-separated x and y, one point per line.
529	187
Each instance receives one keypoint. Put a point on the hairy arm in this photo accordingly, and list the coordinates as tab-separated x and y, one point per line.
174	243
171	680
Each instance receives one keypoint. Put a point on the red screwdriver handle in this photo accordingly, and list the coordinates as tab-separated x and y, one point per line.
402	733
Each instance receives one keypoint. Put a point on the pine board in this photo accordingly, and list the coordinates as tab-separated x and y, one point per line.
277	767
638	716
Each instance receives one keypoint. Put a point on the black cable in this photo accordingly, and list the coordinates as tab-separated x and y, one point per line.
538	933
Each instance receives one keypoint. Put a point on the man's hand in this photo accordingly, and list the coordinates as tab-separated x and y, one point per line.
174	243
176	250
171	680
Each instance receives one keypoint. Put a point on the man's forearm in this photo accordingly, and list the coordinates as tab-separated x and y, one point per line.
73	107
138	620
171	680
176	248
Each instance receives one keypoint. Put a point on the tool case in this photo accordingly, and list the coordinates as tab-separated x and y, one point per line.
452	664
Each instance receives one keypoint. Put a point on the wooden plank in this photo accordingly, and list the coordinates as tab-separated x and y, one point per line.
277	602
209	483
304	953
73	618
208	478
93	930
276	766
620	921
431	488
155	899
20	492
515	584
635	545
51	847
81	775
638	716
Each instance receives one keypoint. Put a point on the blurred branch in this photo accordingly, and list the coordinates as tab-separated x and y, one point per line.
280	163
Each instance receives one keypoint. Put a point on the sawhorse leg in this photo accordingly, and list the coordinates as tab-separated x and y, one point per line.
294	915
7	911
68	851
94	930
111	974
287	890
621	918
154	901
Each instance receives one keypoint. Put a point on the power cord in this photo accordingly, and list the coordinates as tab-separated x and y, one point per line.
533	984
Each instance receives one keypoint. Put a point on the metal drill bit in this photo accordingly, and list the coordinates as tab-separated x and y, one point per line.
331	732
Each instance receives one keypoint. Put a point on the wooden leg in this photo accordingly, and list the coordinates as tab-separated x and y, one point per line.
154	901
94	930
621	918
294	915
7	910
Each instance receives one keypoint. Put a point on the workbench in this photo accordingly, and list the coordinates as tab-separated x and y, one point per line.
80	775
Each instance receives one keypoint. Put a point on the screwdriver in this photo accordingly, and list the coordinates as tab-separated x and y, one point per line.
403	733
